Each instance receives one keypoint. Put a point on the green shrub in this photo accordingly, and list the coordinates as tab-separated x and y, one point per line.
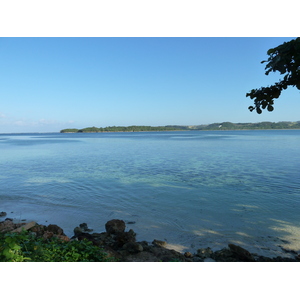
24	246
10	248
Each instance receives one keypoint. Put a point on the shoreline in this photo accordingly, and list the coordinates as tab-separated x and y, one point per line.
123	246
221	126
180	130
183	130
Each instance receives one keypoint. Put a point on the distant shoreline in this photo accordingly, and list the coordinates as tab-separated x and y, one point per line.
290	129
211	127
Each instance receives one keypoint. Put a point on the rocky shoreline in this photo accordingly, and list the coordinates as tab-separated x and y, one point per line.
122	244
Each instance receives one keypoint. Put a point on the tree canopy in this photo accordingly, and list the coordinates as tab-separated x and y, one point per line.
285	59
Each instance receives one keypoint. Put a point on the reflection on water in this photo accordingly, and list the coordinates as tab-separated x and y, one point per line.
290	234
193	189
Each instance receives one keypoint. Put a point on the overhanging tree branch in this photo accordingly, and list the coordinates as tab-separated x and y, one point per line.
285	59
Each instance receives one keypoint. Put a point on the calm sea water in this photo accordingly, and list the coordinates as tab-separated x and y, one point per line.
193	189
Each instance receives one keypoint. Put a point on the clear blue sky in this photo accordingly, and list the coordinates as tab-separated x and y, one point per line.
48	84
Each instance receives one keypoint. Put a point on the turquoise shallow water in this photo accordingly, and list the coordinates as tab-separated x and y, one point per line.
193	189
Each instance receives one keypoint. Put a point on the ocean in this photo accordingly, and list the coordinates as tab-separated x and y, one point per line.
192	189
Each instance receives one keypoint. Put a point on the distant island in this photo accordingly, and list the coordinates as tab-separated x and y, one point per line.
214	126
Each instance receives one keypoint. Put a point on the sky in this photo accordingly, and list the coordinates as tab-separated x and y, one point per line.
52	83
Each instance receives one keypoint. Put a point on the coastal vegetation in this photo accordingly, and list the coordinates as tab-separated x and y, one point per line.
249	126
285	59
214	126
25	246
124	129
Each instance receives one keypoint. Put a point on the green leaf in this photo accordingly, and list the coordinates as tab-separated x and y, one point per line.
8	253
15	247
270	51
258	110
9	240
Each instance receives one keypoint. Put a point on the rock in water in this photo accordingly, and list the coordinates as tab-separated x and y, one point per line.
241	253
159	243
188	255
85	228
77	231
204	252
115	226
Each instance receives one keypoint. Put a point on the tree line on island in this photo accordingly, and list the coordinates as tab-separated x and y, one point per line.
214	126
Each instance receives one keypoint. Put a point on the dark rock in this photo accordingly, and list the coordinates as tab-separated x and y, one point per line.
122	238
63	238
241	253
51	234
133	247
48	232
146	245
87	236
159	243
204	252
115	226
55	229
48	235
104	239
167	255
188	255
84	227
112	253
77	231
131	222
223	255
3	214
7	225
103	236
131	232
39	230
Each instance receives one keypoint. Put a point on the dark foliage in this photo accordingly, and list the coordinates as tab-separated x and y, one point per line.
286	60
